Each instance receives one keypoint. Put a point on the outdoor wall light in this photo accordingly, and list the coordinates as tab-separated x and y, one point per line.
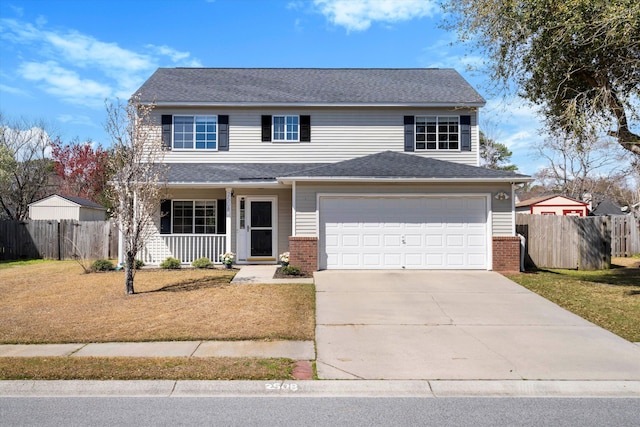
502	195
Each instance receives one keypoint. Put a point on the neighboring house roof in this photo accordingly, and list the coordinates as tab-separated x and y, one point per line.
77	200
313	86
385	165
536	200
607	207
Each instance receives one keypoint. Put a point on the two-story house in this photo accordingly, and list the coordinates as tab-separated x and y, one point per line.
344	168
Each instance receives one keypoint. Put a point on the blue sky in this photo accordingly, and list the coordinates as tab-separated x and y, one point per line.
60	59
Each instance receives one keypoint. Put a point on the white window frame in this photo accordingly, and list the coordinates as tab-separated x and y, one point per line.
437	133
273	128
193	132
193	216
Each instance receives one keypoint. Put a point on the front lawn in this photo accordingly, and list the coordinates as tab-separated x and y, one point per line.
608	298
55	302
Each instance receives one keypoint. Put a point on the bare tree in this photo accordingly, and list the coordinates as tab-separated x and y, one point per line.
575	164
24	167
138	183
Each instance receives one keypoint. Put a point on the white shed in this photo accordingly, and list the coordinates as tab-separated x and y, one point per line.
58	207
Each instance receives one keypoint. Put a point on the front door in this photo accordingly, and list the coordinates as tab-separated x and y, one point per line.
258	232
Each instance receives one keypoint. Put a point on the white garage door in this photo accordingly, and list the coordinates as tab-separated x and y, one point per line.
403	232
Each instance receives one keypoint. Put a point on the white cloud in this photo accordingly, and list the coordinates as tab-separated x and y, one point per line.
13	90
358	15
76	119
80	69
66	84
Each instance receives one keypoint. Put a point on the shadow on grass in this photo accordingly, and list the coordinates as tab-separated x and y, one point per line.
617	276
192	285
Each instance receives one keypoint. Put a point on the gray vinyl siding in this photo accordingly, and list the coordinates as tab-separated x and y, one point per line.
306	199
336	134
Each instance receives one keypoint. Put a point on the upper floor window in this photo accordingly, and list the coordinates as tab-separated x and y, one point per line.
437	133
286	128
199	132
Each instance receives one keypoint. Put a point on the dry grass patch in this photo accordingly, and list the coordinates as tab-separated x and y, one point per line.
55	302
123	368
608	298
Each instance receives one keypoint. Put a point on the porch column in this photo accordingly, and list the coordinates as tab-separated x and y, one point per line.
227	239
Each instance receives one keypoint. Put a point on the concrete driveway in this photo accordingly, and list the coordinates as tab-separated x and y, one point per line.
456	325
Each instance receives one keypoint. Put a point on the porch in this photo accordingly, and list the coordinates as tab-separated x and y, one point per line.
185	248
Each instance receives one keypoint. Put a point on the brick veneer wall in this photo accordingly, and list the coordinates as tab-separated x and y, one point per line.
304	253
506	254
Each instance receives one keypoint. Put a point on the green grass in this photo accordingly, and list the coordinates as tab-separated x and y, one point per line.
18	263
608	298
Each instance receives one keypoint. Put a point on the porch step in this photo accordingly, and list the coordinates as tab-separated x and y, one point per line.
262	274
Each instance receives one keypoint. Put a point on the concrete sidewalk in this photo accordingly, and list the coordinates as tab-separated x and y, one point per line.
263	274
296	350
327	388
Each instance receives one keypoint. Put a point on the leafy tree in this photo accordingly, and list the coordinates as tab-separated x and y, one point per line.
578	60
83	170
494	155
137	185
24	167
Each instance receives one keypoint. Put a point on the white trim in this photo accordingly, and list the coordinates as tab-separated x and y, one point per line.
227	207
513	209
486	196
234	184
509	180
293	209
317	104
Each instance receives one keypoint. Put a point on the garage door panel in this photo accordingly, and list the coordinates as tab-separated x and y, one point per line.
403	232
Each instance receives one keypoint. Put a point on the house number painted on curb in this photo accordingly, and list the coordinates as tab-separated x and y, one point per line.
279	386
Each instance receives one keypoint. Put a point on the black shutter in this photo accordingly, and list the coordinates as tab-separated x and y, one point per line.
221	216
465	133
408	133
305	128
165	217
167	121
223	133
266	128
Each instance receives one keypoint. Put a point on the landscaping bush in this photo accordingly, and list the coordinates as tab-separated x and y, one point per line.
291	270
139	264
203	262
102	265
171	264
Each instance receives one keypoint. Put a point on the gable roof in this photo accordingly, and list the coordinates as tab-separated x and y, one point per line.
387	165
401	166
536	200
607	207
85	203
311	86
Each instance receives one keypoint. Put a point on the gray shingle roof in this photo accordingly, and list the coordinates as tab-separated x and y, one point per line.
82	202
389	164
607	207
235	172
309	86
383	165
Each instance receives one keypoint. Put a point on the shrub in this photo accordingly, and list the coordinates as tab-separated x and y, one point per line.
139	264
291	270
203	262
170	264
102	265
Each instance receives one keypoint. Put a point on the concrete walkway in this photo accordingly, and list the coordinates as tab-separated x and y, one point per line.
296	350
263	274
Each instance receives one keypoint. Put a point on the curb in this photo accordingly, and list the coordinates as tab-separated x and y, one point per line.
327	388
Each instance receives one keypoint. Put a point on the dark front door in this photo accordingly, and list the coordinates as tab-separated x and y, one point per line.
261	228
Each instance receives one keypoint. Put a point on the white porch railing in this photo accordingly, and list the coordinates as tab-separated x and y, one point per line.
185	247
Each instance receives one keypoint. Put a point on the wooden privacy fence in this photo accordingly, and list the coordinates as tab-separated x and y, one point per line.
58	240
625	235
566	241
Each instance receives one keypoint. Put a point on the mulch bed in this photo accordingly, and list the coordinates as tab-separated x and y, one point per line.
279	275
